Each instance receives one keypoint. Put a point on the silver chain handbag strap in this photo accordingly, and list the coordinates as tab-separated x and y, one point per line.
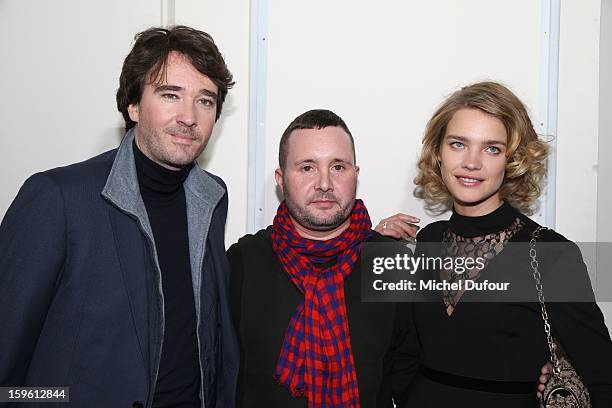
538	279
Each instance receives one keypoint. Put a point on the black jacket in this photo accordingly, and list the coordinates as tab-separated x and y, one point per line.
263	299
80	296
505	340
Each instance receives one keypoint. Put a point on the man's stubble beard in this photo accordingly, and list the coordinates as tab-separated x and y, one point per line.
150	143
312	222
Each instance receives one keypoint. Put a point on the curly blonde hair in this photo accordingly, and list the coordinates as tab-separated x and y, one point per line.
525	156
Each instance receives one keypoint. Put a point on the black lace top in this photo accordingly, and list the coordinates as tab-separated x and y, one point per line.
475	237
504	341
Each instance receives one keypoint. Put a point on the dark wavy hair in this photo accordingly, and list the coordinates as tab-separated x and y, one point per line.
147	61
312	119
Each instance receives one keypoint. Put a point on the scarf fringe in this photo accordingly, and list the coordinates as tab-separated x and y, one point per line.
297	392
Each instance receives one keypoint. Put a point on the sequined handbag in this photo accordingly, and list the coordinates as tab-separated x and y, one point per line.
564	389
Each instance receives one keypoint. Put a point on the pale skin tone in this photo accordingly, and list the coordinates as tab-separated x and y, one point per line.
473	161
472	164
399	226
175	115
319	181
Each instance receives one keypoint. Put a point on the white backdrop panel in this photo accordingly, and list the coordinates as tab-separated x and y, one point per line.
60	70
384	67
226	153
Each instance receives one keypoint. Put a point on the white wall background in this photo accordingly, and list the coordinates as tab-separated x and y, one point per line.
228	23
382	66
578	123
384	69
604	164
60	69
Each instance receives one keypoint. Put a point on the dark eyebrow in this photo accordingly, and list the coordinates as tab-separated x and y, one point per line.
494	142
486	142
164	88
310	161
459	138
175	88
209	93
307	161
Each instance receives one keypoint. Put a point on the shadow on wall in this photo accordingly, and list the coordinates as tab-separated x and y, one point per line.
106	140
229	107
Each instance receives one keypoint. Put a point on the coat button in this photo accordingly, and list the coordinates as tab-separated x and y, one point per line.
137	404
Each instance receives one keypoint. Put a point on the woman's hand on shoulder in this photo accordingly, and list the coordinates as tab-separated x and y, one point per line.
399	226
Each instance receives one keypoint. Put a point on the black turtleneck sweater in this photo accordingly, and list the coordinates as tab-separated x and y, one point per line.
493	222
178	380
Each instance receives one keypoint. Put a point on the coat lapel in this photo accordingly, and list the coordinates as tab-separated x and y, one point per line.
137	274
136	252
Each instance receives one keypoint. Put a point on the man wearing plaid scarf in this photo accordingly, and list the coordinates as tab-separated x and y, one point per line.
306	338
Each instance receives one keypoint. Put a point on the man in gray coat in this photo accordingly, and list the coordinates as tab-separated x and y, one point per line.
113	275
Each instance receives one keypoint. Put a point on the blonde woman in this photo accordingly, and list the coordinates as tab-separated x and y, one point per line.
482	158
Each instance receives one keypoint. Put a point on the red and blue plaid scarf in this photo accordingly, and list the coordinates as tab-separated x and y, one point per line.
316	359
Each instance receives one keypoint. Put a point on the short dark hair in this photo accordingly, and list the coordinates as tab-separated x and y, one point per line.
312	119
149	56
